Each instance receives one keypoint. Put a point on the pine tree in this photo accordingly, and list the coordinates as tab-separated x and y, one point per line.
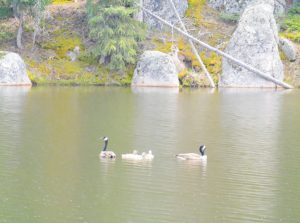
115	32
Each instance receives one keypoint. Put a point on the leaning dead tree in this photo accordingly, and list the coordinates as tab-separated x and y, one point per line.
212	84
211	48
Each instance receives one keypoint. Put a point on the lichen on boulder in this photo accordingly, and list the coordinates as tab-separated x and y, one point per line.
238	6
12	69
155	69
163	9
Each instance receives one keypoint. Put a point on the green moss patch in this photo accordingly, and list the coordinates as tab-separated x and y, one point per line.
65	72
61	43
60	2
194	10
213	63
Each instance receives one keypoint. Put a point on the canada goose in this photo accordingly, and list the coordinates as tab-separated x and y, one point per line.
132	156
104	153
193	156
148	156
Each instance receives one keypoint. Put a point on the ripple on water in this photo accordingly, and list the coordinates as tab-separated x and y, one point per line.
251	174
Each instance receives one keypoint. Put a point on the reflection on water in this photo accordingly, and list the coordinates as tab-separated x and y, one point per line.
50	143
155	90
12	101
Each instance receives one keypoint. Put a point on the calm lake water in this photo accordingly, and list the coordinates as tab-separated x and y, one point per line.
50	141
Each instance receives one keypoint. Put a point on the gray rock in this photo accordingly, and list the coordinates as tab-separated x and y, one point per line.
255	43
237	6
73	55
12	69
155	69
288	48
164	9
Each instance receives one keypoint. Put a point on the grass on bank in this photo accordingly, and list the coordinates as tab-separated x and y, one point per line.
65	72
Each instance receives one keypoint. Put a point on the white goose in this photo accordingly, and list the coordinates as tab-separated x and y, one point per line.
193	156
132	156
148	156
136	156
104	153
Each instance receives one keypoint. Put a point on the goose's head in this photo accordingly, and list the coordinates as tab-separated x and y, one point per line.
150	152
105	139
135	152
202	150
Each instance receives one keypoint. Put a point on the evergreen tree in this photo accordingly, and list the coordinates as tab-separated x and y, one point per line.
115	32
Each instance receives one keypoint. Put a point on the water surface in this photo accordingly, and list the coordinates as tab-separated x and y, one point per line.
50	141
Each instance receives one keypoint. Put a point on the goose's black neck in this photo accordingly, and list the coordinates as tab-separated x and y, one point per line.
105	145
202	150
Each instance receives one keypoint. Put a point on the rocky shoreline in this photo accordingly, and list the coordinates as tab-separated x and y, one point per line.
62	58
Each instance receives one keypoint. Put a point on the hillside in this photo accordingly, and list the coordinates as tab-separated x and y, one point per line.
65	28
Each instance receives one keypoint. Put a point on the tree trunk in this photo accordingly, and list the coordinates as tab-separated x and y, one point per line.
18	16
35	32
139	15
20	31
37	15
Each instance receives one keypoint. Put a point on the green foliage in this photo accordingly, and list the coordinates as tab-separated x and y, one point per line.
194	10
295	9
292	21
5	34
26	5
213	63
162	46
60	2
22	9
64	72
5	12
294	36
291	24
229	17
115	33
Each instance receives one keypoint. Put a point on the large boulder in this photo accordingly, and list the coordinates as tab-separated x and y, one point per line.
237	6
155	69
288	49
12	69
255	43
164	9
